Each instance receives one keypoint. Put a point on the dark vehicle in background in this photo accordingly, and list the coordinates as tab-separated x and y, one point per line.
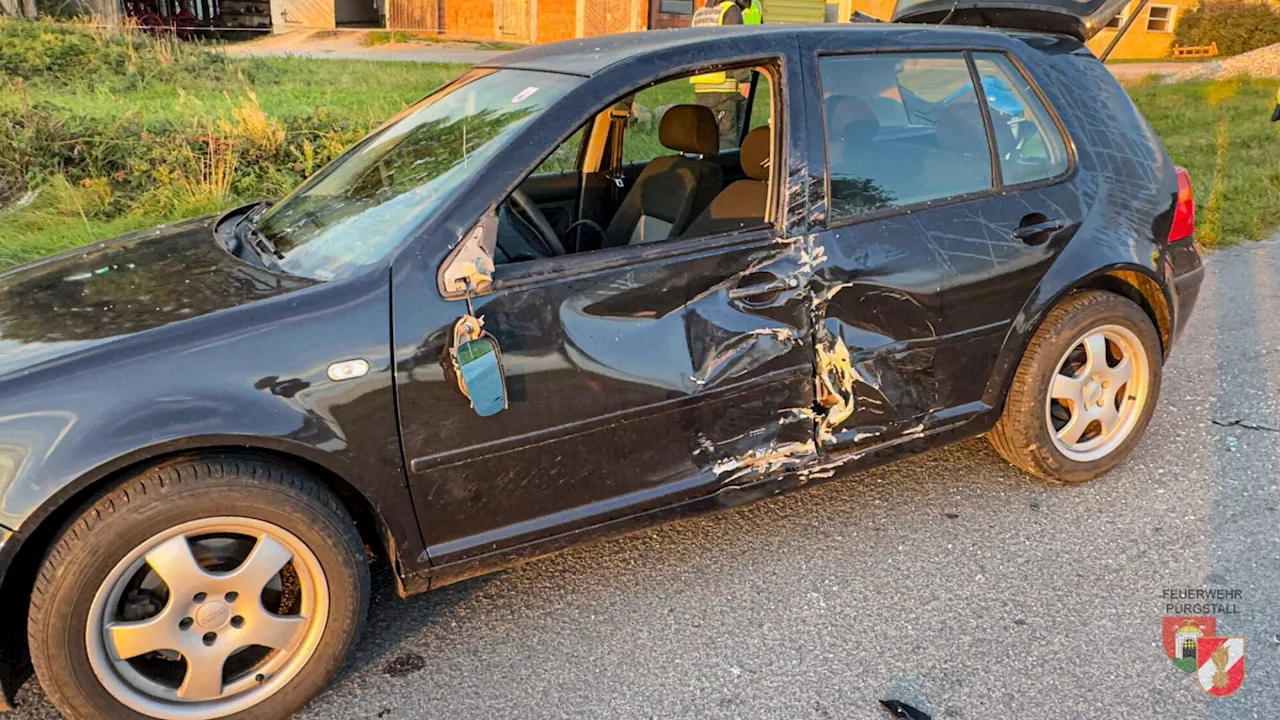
547	304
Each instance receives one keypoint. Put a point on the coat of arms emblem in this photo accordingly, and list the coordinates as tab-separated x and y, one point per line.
1182	637
1220	665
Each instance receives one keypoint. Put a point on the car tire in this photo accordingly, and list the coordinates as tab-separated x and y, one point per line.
236	517
1058	389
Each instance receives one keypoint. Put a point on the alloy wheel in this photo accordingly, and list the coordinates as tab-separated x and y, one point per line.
1097	393
207	619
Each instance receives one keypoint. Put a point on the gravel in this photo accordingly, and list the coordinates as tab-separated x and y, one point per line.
1261	63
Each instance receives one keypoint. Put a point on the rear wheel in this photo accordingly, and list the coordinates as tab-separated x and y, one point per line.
205	588
1084	391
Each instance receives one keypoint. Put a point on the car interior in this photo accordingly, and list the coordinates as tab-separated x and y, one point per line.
906	129
677	159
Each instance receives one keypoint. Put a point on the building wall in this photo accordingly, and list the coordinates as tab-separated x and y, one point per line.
659	20
468	18
557	20
535	21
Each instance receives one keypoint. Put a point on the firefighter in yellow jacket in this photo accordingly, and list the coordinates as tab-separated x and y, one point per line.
720	91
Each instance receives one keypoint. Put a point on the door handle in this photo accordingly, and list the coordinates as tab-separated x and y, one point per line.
770	285
1036	232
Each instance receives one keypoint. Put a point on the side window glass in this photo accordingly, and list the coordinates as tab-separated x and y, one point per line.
725	93
641	143
761	107
1028	142
901	129
565	157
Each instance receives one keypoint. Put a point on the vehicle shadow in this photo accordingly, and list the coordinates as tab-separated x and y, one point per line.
393	619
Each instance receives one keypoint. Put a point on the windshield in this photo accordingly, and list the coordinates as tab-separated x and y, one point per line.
362	205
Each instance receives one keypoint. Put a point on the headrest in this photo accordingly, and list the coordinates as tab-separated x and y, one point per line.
755	153
690	129
960	129
851	118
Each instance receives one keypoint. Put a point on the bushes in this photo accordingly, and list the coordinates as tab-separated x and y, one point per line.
1235	26
69	53
154	168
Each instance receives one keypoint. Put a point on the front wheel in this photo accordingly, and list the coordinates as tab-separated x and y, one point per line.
204	588
1084	391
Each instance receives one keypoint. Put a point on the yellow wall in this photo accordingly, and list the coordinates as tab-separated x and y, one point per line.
1139	43
876	8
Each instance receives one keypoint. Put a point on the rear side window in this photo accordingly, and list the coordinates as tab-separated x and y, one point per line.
901	129
1028	142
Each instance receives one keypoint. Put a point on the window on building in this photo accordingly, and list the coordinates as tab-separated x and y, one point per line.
676	7
1117	21
1160	19
1028	142
901	129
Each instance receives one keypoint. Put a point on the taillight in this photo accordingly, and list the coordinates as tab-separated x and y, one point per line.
1184	212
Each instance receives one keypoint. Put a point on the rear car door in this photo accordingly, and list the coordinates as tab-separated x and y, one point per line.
931	253
637	377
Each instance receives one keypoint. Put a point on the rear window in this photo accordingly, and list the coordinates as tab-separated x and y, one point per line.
1028	142
901	129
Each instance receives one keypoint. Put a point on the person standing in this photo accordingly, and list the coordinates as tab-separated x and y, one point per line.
724	93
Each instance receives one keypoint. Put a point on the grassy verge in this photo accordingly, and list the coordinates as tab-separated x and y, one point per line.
1220	130
103	135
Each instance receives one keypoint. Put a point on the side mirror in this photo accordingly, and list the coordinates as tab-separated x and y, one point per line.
480	376
468	270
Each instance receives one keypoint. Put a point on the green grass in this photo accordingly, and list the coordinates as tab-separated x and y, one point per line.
1220	130
361	90
376	38
120	133
498	46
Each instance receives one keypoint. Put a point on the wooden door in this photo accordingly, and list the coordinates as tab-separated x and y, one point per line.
607	17
513	19
286	14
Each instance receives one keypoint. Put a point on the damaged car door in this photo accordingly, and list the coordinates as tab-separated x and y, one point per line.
934	236
636	376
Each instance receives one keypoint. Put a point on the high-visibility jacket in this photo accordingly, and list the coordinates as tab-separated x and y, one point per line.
714	15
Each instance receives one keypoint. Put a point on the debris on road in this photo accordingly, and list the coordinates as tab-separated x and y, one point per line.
903	711
406	664
1247	424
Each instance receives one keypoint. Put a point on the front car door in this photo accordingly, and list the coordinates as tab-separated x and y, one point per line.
637	376
934	240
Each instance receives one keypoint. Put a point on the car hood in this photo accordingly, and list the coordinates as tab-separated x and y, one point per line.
1081	19
69	302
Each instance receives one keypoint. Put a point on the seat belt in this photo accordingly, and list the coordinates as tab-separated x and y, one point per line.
617	128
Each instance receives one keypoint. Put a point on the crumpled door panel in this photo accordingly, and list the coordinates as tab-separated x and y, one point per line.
876	293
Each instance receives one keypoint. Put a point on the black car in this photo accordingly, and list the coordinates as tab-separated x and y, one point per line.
586	288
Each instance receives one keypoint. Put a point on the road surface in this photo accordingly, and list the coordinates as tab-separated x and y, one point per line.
949	581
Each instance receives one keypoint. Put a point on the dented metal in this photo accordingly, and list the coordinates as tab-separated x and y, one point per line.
644	383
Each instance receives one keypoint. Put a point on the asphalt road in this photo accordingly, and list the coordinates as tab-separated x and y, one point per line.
949	581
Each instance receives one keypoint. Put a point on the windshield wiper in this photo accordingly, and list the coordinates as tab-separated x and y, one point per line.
247	232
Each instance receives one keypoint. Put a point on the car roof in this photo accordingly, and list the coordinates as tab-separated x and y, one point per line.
588	56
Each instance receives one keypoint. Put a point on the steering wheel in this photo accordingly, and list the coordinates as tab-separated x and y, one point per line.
539	222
